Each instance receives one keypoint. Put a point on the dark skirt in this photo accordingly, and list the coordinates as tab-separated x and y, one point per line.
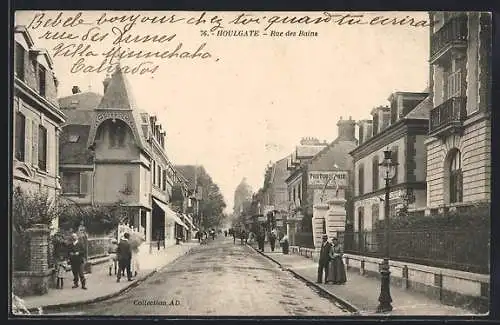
336	271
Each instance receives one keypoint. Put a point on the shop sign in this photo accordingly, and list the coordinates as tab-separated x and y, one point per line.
330	177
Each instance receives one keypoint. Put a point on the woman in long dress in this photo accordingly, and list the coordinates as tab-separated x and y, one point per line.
336	270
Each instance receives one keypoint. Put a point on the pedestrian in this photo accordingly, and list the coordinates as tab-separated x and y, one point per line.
77	260
225	233
113	261
261	239
336	270
323	259
272	239
243	237
234	237
124	257
61	268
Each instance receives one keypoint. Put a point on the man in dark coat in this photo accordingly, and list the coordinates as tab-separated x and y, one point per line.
76	253
324	259
124	254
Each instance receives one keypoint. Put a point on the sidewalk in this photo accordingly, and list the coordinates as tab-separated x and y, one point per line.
101	285
362	293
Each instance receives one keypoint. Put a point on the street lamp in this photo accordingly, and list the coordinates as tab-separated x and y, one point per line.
389	170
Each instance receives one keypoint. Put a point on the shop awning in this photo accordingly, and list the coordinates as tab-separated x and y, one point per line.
189	221
169	213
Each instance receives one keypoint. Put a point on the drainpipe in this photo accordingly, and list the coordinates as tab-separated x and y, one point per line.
92	195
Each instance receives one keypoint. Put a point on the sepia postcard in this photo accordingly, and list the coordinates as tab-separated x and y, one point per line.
244	164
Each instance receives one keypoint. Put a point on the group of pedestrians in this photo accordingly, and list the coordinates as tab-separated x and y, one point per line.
76	258
330	262
124	258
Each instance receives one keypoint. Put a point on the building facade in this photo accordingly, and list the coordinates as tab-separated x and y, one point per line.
112	153
459	143
402	128
37	119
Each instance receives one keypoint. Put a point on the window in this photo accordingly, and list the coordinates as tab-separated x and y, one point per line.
20	136
154	172
164	183
42	147
361	180
375	173
294	195
159	176
42	81
395	161
456	178
299	190
117	134
73	138
74	183
375	215
19	57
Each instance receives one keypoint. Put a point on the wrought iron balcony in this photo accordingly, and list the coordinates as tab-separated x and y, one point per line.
450	37
448	117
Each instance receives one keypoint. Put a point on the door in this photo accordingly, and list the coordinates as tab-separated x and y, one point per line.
361	228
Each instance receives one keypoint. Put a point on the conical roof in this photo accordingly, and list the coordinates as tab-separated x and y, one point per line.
118	93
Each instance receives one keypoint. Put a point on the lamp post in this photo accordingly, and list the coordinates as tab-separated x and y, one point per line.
385	300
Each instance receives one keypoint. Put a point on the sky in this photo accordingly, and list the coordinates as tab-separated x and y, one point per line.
252	98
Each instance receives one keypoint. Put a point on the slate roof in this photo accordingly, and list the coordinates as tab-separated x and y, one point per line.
309	150
336	153
188	171
71	151
118	95
422	110
280	172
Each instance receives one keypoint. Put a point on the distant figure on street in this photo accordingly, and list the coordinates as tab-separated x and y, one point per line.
234	237
113	262
198	236
243	236
336	270
77	260
261	239
225	233
272	239
61	268
124	257
324	258
212	233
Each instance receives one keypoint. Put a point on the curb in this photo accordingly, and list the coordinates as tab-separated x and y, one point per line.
132	284
347	305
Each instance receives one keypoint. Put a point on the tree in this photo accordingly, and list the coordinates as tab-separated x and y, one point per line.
212	204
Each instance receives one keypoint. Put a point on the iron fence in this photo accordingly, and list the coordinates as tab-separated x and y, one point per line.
461	250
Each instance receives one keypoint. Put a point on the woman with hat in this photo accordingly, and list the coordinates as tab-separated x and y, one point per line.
336	270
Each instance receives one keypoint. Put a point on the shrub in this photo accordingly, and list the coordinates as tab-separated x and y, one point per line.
28	209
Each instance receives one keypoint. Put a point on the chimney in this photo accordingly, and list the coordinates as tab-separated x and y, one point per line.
105	82
347	129
75	90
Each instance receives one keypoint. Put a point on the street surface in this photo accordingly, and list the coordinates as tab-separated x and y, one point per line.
218	279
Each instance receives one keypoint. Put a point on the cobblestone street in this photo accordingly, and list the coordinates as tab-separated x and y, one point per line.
221	279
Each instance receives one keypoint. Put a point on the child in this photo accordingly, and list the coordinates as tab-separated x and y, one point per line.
113	247
61	268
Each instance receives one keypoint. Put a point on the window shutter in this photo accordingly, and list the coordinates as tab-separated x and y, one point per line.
29	131
84	182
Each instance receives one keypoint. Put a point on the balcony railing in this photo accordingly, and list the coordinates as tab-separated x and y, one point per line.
451	113
453	31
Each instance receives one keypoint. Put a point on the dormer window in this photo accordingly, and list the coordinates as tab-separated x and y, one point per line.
19	57
73	138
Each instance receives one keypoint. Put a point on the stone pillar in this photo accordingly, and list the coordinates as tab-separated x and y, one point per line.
39	242
335	217
319	213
